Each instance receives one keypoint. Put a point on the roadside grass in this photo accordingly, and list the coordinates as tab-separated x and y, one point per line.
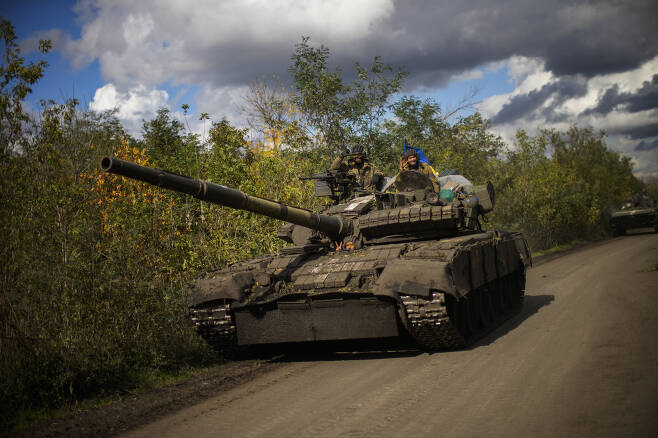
150	380
557	248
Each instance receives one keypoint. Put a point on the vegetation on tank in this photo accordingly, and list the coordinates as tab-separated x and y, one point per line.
94	267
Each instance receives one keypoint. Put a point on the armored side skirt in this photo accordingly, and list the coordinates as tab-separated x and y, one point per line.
316	320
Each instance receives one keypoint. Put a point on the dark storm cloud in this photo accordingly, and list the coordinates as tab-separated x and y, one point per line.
647	146
607	103
244	64
638	132
435	39
526	104
645	98
522	105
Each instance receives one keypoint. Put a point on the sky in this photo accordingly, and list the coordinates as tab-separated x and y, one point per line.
549	63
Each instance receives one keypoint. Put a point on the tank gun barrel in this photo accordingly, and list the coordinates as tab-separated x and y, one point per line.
332	226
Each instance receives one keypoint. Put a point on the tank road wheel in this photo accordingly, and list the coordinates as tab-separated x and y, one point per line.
436	323
458	314
214	323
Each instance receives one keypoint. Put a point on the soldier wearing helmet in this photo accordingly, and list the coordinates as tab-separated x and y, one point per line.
411	161
355	163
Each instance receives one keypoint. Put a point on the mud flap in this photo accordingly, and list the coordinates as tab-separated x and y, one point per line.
317	320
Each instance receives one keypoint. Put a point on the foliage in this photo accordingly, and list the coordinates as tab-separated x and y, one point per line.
96	265
466	145
16	79
272	113
558	197
652	187
336	114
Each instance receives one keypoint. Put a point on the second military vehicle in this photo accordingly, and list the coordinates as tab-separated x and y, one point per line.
402	265
634	213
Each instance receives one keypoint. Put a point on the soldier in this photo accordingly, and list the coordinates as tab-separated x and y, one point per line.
410	161
356	163
644	200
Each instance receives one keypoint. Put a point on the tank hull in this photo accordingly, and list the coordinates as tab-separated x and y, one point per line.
434	294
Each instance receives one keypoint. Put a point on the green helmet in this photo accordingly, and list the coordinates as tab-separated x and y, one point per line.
358	150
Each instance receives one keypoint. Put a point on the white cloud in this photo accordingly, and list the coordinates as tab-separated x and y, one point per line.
469	75
133	106
521	68
152	42
219	103
137	28
530	76
223	102
142	103
527	74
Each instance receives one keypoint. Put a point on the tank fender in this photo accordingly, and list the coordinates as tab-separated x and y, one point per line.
414	277
524	250
230	286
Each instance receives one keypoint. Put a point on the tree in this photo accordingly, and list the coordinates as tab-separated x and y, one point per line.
340	114
318	93
471	148
368	101
559	186
16	80
272	114
609	173
466	145
228	154
169	145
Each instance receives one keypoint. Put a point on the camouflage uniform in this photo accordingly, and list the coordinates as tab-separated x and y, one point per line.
364	174
426	170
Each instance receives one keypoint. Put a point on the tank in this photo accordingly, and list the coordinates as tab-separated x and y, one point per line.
637	212
404	267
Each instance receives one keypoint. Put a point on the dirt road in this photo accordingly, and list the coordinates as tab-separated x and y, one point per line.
580	360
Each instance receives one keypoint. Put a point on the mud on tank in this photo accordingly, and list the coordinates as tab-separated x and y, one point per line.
408	265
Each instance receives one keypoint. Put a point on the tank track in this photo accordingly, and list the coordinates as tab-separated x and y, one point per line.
429	323
214	322
432	328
